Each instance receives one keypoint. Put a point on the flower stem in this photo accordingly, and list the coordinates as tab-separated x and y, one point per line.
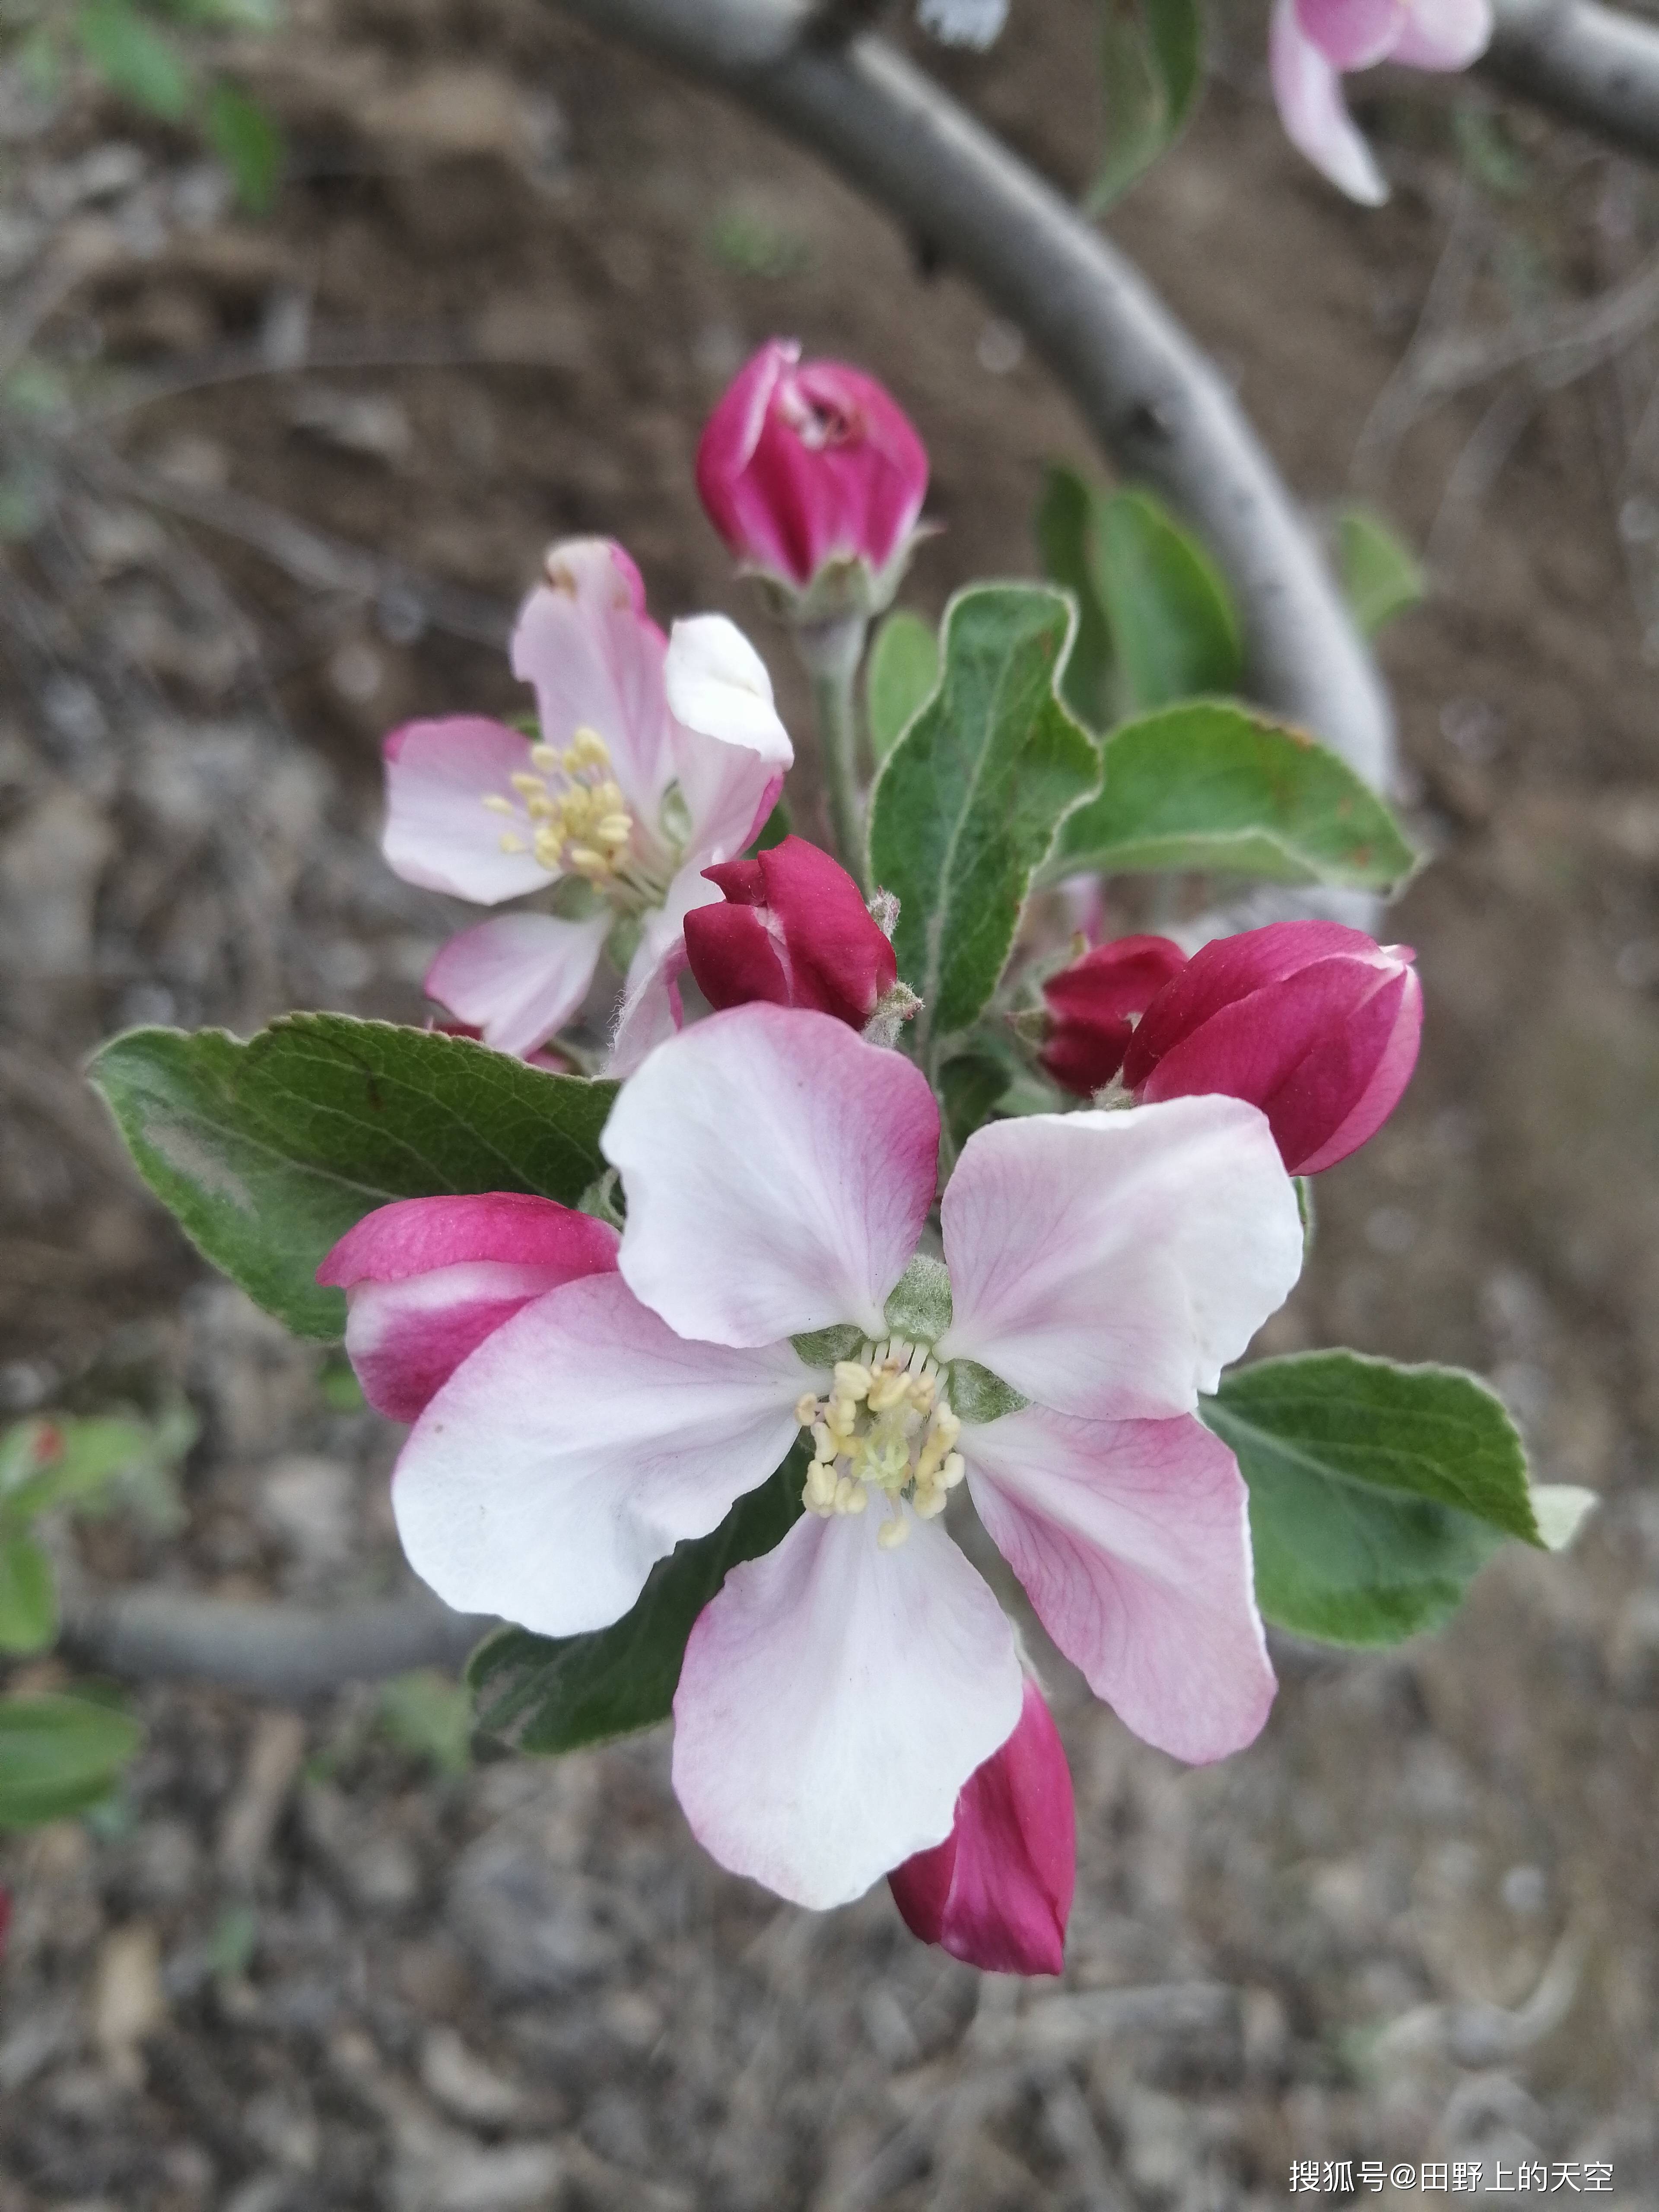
831	653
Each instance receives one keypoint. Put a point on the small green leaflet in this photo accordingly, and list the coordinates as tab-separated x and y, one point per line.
559	1693
1172	622
1377	1491
966	805
1209	784
28	1596
1064	526
248	141
901	671
134	59
268	1151
1152	59
59	1755
1381	574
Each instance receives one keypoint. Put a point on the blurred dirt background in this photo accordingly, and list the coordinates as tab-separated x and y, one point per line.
268	488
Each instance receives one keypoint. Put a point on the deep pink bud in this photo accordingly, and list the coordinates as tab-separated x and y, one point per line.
1317	1025
804	465
998	1891
1090	1005
794	930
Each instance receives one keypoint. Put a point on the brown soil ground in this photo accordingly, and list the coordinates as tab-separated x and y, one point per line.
297	1970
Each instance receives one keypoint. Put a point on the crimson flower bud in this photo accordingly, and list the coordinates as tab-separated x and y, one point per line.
1090	1004
794	930
1317	1025
998	1891
814	476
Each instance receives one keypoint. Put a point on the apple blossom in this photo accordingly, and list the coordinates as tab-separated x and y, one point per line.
1091	1003
654	758
998	1891
1312	44
794	930
1317	1025
814	476
1099	1270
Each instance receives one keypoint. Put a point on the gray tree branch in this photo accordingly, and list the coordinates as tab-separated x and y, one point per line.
1594	65
1158	408
285	1653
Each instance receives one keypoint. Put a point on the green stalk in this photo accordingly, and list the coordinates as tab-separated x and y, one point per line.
831	653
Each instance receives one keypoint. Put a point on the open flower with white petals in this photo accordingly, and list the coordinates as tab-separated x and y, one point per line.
656	757
1099	1269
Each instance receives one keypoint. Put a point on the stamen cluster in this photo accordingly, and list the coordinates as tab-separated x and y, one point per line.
580	823
885	1425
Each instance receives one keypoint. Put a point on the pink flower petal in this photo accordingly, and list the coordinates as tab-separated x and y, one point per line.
595	658
427	1278
650	1011
731	751
1133	1539
833	1699
1352	35
439	833
1316	121
778	1172
1443	34
576	1447
518	977
1110	1264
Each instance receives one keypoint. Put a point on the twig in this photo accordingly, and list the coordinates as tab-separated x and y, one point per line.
1157	405
286	1653
1596	66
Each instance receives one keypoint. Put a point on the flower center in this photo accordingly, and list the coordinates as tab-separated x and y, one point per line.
884	1425
574	817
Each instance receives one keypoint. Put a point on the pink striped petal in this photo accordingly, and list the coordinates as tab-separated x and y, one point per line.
517	978
1309	93
427	1278
1110	1264
584	641
1133	1539
439	833
778	1171
833	1700
576	1447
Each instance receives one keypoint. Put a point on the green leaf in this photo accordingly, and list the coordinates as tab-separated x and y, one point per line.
1376	1491
1172	622
1381	574
134	59
1209	785
971	1086
966	805
70	1460
1152	59
901	671
28	1596
248	142
1065	524
558	1693
58	1755
268	1151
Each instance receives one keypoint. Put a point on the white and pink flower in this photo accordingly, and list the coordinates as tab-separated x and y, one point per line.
1313	43
1099	1270
656	757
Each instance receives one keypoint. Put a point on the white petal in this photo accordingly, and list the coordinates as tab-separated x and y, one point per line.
651	1013
439	832
574	1449
718	686
1110	1265
518	977
833	1700
1316	121
778	1172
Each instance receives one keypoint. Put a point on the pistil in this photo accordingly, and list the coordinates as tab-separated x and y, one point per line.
883	1425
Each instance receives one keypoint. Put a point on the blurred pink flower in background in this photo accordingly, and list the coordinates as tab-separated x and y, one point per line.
1314	43
814	476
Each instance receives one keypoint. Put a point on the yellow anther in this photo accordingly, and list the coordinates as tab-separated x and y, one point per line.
850	1497
892	1533
806	1409
586	862
608	797
819	1494
522	781
497	804
851	1380
889	1386
824	1445
614	829
512	844
546	756
928	1503
953	1470
586	749
541	808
